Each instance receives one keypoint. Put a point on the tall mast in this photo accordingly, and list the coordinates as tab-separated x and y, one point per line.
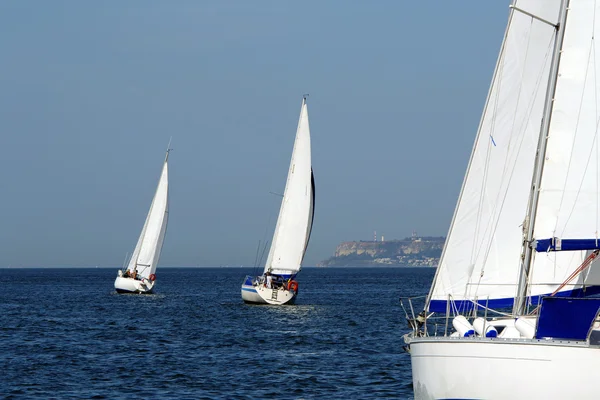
168	149
520	299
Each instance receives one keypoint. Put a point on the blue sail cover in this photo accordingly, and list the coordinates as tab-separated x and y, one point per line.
439	306
558	244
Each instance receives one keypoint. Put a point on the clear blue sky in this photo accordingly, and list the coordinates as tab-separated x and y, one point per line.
90	93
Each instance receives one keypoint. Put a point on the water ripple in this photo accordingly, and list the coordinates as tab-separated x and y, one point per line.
62	339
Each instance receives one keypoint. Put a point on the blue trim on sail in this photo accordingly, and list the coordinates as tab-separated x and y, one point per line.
466	305
558	244
286	277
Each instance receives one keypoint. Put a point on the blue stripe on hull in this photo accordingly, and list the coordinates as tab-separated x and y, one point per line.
249	290
465	305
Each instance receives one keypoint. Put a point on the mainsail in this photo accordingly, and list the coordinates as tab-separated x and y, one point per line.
294	223
568	206
481	260
149	245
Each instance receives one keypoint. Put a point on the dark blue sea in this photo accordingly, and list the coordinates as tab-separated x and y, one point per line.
66	334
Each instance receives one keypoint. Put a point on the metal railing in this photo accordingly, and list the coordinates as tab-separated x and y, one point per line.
431	324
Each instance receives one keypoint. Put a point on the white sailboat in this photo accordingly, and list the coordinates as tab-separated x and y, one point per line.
140	274
519	263
292	233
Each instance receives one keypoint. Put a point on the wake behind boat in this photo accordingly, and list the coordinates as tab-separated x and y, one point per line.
521	255
292	233
140	274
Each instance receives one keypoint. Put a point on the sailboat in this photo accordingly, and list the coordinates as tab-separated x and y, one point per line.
278	285
511	313
139	275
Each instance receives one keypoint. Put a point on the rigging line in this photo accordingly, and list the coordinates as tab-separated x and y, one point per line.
553	257
256	256
498	88
263	252
526	122
566	179
491	309
488	153
581	182
596	110
584	265
453	305
494	111
483	247
522	129
264	238
466	180
508	152
125	262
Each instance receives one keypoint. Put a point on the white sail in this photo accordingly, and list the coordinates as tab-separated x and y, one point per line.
148	248
482	252
560	229
294	223
568	206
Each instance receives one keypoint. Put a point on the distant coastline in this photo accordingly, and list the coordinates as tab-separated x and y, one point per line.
111	267
415	251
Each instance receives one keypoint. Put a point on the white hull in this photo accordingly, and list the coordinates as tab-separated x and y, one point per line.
130	285
483	368
250	295
258	294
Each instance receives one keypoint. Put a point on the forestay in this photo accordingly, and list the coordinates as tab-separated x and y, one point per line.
294	223
481	257
148	248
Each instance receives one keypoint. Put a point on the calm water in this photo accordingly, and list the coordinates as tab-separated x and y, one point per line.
65	333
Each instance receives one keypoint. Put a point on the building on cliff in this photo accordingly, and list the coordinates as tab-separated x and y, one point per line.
413	251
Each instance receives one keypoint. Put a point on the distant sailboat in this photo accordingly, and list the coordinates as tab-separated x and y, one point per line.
140	274
292	233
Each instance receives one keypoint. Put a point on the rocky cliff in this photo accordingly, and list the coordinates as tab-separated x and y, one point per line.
415	251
